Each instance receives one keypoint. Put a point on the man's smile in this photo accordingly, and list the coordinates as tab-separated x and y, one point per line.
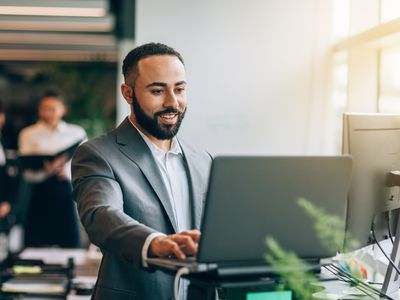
169	118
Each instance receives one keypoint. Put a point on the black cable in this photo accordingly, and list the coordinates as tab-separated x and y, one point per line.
352	281
383	251
357	283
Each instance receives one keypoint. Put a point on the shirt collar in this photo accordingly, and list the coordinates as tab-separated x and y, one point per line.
174	149
60	127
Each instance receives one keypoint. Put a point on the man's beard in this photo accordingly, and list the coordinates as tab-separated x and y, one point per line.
151	125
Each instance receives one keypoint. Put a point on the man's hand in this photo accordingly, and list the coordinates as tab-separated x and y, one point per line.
179	244
62	175
56	166
4	209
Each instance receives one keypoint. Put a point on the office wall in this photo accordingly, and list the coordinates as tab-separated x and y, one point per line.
257	70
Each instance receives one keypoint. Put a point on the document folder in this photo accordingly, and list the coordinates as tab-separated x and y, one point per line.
36	162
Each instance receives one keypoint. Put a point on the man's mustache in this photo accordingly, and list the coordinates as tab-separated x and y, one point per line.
168	111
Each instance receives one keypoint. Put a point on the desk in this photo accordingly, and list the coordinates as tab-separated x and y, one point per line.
202	285
86	264
241	289
86	271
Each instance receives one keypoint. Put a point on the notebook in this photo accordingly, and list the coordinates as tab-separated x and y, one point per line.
249	198
36	161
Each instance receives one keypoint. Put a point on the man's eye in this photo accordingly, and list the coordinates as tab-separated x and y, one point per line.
180	90
156	92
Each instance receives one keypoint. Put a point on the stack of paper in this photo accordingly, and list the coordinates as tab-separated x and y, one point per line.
18	285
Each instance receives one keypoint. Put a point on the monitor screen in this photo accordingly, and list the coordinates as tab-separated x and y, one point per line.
373	140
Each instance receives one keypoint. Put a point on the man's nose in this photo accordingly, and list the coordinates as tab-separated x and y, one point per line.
171	100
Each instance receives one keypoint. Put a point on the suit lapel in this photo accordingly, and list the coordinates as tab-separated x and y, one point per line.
133	146
195	188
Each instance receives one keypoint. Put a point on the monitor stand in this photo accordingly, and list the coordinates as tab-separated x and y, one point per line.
391	284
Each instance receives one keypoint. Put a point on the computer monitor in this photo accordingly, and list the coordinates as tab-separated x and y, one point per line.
373	140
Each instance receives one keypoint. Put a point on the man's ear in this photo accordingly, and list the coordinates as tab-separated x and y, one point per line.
65	112
127	93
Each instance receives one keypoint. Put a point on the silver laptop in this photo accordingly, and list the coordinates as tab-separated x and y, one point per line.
249	198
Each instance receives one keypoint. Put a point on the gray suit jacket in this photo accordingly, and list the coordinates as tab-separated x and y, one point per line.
121	200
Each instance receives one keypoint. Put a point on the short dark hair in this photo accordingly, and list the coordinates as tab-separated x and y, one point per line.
151	49
2	109
53	93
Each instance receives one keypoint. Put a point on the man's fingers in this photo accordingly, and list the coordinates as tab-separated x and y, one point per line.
170	247
60	161
180	244
176	250
194	234
165	246
186	244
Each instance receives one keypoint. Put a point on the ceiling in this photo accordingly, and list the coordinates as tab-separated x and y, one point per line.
47	30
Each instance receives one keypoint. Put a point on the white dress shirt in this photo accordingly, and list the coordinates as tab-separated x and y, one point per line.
42	139
171	166
173	173
174	176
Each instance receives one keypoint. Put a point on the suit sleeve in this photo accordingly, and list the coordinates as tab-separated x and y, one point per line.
100	204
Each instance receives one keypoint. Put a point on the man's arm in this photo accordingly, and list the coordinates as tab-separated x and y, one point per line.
100	205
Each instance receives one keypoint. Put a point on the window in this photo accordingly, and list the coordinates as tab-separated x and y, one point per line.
389	80
366	60
390	10
339	95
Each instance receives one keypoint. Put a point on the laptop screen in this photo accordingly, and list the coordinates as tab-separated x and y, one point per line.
250	198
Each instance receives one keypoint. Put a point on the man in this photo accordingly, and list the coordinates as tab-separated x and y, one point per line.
139	189
52	218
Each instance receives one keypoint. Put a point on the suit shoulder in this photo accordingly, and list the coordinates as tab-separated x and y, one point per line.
189	149
100	144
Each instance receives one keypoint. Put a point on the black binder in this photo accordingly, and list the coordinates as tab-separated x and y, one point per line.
36	162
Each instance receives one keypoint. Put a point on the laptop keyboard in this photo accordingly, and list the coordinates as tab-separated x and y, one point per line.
186	261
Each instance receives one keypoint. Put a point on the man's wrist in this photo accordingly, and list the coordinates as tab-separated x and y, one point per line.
146	246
